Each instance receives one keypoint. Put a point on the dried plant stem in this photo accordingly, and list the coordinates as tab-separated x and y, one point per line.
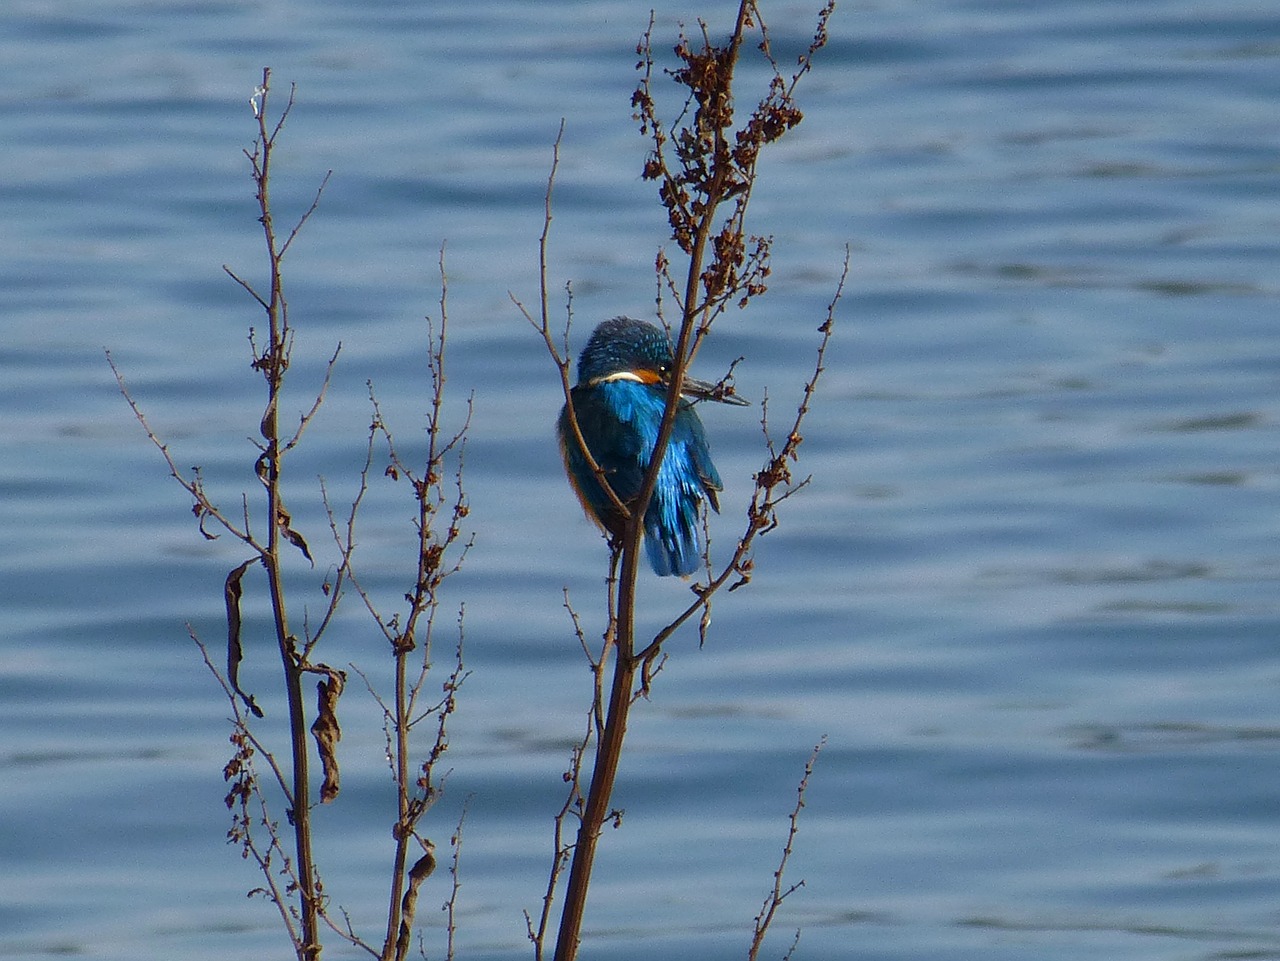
299	900
780	891
701	168
608	755
291	879
416	788
272	363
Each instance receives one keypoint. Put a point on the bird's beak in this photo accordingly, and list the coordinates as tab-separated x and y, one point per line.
721	392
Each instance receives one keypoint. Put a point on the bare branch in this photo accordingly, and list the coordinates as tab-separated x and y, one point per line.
773	485
455	887
306	418
314	203
560	355
203	507
704	167
247	286
773	900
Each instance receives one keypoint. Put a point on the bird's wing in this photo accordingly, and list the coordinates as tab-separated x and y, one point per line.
689	435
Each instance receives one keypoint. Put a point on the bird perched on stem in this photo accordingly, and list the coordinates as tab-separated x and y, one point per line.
619	400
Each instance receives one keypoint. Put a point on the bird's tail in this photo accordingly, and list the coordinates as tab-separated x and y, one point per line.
671	537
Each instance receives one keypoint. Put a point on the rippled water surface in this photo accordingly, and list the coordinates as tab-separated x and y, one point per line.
1030	595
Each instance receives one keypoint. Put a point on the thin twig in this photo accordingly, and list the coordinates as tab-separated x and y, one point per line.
780	891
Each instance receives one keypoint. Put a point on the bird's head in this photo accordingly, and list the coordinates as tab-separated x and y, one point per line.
624	349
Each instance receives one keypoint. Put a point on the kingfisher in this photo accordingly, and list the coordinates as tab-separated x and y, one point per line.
619	400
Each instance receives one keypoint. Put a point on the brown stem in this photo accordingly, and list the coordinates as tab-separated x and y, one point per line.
404	832
608	751
273	366
686	340
436	532
715	172
609	748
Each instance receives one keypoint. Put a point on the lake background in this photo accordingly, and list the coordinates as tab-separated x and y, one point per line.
1030	596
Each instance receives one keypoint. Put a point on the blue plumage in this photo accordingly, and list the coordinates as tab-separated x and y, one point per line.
618	401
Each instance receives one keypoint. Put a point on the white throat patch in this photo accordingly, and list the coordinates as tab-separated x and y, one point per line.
620	375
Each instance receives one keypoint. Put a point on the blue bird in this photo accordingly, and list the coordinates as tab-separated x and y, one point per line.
619	401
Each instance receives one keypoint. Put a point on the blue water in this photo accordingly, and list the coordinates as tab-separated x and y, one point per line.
1030	595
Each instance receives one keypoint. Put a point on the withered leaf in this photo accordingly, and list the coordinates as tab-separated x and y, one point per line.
325	729
235	652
